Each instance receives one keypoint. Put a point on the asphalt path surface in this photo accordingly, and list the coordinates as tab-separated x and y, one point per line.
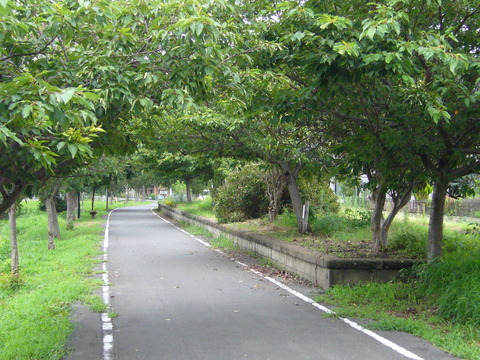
177	299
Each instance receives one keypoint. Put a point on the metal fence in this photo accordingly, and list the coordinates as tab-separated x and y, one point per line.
453	207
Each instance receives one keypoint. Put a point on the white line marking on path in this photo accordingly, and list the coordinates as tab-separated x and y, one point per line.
320	307
107	325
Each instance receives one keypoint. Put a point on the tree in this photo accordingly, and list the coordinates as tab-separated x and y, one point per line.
53	228
389	71
71	69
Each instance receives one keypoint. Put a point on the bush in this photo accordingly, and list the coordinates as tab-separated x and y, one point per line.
242	196
168	201
317	191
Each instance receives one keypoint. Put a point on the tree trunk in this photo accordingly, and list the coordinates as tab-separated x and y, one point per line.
294	192
144	193
93	198
379	196
78	204
188	189
72	206
127	194
437	213
53	228
106	199
10	197
14	265
275	181
399	200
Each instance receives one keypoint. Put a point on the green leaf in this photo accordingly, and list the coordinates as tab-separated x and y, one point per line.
209	71
67	94
27	110
60	145
73	149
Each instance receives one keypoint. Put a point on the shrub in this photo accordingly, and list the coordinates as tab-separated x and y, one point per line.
317	191
327	225
242	196
410	239
287	218
169	202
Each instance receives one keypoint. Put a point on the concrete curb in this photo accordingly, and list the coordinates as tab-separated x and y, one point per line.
320	269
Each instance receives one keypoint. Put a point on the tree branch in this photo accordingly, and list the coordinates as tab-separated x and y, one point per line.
28	54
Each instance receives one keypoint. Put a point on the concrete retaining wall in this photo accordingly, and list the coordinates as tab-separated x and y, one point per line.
320	269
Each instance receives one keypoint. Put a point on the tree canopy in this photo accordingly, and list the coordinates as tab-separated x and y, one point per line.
388	88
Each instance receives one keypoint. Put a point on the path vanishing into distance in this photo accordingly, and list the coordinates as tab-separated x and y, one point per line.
178	299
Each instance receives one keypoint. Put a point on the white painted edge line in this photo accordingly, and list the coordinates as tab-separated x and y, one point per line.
107	325
402	351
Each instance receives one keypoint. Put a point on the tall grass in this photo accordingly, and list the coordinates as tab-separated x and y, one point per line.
453	284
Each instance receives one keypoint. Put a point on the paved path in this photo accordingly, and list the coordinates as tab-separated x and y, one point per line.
179	300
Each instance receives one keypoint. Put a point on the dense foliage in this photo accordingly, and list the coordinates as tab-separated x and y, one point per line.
242	196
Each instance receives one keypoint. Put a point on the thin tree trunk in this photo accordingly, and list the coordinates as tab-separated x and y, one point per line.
144	193
93	198
188	189
71	198
379	196
14	265
398	203
78	204
127	194
53	228
275	181
437	213
294	192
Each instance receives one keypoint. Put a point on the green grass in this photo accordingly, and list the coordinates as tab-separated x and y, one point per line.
223	242
199	207
35	311
438	302
195	229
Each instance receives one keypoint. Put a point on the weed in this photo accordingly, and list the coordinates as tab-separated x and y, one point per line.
11	283
196	230
266	262
96	304
223	242
112	314
410	239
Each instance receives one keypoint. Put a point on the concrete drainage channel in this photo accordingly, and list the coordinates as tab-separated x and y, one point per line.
320	269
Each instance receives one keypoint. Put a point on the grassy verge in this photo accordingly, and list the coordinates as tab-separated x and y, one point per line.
35	311
439	302
402	306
